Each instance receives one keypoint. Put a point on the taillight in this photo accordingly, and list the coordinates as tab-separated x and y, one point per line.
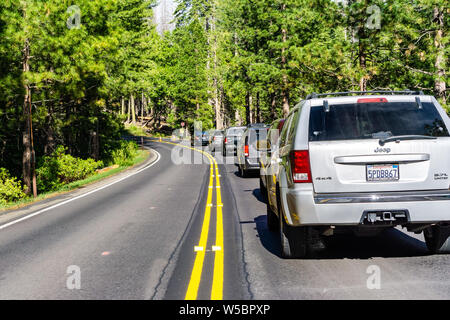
300	165
226	140
246	153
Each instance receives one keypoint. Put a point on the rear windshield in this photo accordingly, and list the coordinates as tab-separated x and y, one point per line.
235	131
375	121
257	135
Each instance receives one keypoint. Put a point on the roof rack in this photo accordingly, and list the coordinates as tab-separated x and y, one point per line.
318	95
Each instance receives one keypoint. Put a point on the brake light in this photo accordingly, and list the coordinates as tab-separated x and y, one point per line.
300	166
372	100
226	140
246	153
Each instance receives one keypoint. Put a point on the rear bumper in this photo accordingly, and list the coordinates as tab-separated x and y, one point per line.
252	164
229	147
307	208
364	197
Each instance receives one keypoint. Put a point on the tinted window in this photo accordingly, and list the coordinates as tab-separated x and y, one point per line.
375	120
293	125
285	129
257	134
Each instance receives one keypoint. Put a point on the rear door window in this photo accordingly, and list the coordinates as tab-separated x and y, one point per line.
375	120
292	126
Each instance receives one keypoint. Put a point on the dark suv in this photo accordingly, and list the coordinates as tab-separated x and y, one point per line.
231	138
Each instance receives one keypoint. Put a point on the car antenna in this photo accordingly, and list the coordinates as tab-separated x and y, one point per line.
419	103
326	106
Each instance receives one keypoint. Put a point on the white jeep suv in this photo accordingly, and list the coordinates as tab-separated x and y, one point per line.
363	162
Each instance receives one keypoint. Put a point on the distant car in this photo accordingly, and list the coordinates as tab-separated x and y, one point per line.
231	138
200	138
216	140
252	143
363	162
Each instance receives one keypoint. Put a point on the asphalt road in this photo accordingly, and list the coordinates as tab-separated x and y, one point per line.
140	239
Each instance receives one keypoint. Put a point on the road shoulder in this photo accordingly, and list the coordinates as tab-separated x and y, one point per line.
9	216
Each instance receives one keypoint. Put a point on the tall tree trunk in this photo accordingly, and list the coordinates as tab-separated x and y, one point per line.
362	65
237	118
273	105
96	143
362	57
129	111
142	107
439	85
50	141
285	90
133	110
248	113
258	109
29	157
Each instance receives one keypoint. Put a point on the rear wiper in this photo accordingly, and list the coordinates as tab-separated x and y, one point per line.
408	137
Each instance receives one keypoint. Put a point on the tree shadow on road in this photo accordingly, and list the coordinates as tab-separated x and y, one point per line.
391	243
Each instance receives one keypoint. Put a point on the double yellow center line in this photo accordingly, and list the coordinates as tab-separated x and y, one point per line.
200	250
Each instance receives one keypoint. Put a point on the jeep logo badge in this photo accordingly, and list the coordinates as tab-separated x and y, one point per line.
382	150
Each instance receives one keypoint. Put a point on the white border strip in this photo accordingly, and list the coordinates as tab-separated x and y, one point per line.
6	225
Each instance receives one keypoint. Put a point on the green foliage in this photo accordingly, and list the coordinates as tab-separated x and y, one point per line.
124	154
135	130
236	60
10	188
61	168
77	75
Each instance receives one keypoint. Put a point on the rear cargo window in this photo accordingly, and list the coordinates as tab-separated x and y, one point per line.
235	132
375	120
257	135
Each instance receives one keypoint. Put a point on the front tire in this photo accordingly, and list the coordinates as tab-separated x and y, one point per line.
437	239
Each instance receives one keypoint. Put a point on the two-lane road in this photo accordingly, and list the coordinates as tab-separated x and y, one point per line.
174	227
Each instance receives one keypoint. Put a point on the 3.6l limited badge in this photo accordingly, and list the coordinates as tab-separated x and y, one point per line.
440	176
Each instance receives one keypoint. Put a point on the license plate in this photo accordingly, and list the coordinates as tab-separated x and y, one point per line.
383	172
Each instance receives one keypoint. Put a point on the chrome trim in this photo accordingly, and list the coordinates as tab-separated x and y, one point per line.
391	158
376	197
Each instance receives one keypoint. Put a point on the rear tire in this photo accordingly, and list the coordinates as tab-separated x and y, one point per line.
437	239
272	219
243	172
294	241
262	189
